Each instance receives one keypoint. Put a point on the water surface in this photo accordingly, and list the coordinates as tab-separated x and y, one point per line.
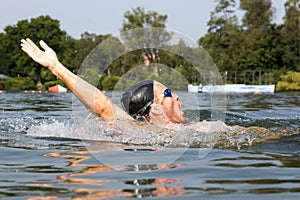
41	165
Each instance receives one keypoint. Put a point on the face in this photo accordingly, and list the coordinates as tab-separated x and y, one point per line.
170	105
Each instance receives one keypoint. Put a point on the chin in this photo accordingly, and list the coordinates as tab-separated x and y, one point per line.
179	120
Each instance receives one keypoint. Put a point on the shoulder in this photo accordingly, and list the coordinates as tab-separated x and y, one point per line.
120	114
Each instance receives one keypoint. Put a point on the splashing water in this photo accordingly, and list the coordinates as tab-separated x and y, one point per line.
199	134
172	135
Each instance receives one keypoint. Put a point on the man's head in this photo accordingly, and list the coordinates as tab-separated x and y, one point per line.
140	99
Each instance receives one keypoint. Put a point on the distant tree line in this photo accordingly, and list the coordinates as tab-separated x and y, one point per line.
255	43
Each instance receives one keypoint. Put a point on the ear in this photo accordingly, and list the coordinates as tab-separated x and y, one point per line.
156	109
157	115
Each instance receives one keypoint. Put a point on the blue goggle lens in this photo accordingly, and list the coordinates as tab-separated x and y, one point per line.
167	93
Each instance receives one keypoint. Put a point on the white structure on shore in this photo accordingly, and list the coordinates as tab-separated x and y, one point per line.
232	88
260	82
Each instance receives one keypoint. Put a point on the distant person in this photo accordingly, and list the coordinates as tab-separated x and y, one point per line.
200	88
147	100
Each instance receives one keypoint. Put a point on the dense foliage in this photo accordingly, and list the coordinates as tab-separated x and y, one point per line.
255	43
289	82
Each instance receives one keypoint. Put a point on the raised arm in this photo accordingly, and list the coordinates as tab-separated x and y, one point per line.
89	95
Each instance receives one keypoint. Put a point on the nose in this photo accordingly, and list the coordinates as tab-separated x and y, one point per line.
180	103
177	99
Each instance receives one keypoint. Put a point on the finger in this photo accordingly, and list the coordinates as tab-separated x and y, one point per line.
32	45
26	45
44	45
28	50
23	43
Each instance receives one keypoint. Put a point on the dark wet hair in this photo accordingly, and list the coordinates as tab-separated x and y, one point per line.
136	100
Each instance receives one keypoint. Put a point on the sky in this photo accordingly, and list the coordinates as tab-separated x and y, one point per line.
188	17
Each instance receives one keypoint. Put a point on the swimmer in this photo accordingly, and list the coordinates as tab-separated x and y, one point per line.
147	100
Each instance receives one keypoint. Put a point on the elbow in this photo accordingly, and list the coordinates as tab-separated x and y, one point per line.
105	111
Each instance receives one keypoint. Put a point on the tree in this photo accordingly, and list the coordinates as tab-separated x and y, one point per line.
258	13
17	63
85	45
259	48
3	69
222	16
256	20
223	39
292	35
139	18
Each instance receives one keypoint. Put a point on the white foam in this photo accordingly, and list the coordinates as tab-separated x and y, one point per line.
132	133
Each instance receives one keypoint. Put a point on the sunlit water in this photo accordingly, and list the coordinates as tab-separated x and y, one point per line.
46	153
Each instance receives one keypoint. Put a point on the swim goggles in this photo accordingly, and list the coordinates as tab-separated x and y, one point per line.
167	93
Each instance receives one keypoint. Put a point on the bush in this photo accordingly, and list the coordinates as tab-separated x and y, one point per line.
109	82
52	83
289	82
2	86
20	83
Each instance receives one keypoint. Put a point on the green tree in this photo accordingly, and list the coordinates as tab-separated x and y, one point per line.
222	16
139	18
265	54
3	64
260	35
99	59
291	35
17	63
223	39
258	13
85	45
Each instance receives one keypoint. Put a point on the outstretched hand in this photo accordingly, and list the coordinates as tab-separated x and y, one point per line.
46	58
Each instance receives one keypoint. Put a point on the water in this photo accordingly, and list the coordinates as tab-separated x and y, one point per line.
45	153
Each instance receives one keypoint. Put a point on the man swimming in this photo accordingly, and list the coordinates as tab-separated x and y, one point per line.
147	100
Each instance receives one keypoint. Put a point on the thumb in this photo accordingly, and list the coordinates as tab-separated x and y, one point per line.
44	45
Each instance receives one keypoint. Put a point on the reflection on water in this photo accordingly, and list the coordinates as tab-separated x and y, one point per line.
269	181
147	187
76	174
223	173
